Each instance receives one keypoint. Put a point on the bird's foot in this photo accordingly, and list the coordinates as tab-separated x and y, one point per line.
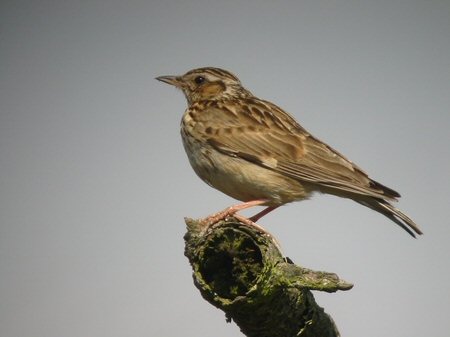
231	212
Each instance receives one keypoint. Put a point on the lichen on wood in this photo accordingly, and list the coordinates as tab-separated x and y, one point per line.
239	269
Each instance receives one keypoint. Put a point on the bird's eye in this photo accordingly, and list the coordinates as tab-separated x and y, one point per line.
199	79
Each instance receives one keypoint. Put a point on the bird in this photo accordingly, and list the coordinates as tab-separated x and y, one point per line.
257	153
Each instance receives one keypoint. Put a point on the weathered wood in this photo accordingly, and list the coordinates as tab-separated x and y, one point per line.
239	269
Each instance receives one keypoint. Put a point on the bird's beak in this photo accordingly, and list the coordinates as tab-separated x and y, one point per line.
172	80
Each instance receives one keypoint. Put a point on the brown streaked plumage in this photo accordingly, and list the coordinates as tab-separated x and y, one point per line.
255	152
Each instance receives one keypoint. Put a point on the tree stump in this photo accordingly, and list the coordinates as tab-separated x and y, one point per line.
239	269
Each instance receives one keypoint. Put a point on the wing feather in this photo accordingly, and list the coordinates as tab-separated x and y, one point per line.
282	145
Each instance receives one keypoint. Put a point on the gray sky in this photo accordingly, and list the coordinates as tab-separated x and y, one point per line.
94	182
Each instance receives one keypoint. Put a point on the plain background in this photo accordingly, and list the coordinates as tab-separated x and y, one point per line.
94	182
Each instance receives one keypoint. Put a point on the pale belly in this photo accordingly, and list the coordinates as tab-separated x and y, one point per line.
241	179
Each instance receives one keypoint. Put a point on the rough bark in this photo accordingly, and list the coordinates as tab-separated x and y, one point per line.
239	269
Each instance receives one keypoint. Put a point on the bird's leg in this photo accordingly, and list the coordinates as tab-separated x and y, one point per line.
265	211
231	211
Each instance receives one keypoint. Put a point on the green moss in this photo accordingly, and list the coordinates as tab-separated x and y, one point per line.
241	271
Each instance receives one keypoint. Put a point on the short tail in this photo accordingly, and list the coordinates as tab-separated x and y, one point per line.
385	208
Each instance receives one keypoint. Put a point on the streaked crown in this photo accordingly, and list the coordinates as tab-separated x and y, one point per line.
207	83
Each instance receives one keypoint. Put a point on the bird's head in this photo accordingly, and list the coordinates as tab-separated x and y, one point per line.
207	84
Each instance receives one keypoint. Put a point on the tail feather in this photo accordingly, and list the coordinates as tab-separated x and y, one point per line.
385	208
386	191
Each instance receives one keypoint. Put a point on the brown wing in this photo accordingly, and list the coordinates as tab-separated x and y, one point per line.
267	136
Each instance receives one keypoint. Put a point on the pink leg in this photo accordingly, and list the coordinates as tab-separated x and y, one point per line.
230	211
265	211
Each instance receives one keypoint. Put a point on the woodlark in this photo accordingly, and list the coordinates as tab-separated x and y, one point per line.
253	151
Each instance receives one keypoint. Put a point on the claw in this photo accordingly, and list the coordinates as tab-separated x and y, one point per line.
231	212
